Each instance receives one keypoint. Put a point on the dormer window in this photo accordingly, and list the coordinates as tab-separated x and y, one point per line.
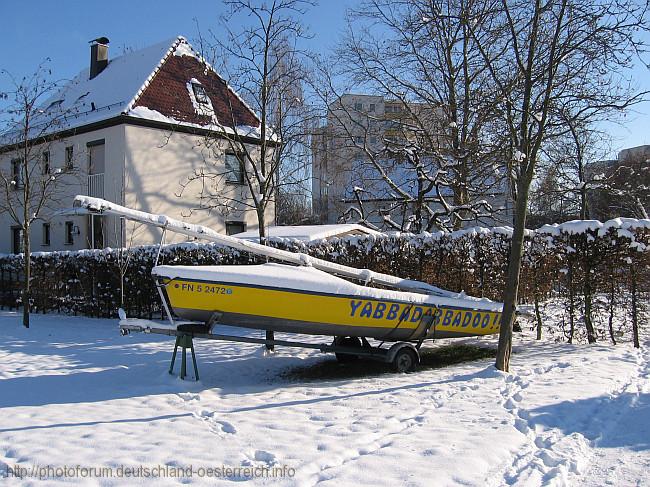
200	94
200	99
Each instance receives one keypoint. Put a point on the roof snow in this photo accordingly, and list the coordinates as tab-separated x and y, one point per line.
309	233
108	94
118	90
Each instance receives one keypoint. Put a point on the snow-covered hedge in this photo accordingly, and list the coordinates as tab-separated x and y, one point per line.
577	260
98	282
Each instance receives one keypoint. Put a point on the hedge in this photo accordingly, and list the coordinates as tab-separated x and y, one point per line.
577	262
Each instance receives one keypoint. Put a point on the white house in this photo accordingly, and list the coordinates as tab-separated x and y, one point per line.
131	130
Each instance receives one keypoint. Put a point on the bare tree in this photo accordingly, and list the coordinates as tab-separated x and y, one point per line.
29	186
541	55
292	208
436	161
622	188
551	201
564	181
266	66
578	146
584	146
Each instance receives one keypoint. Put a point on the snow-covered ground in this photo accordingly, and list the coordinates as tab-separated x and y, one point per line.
74	393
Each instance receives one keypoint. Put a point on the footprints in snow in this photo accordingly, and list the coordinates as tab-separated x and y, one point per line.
224	429
188	396
549	454
259	457
513	396
393	428
217	426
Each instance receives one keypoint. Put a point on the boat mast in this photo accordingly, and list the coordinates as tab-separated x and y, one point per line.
100	206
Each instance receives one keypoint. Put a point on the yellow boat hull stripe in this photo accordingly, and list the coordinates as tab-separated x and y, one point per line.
326	308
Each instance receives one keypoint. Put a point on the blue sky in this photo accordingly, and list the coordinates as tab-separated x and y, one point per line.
60	30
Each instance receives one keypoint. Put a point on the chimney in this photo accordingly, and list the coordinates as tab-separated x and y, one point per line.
98	56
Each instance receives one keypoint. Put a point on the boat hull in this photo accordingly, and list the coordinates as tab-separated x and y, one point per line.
315	313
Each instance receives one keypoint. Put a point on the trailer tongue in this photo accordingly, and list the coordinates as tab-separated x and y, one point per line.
307	297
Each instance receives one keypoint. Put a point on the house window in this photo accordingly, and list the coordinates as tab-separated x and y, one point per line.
233	228
16	240
234	169
96	157
200	94
69	233
358	106
45	162
46	234
373	140
69	158
17	173
358	139
371	108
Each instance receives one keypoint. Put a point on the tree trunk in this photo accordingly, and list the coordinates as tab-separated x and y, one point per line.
588	296
612	302
261	221
587	292
28	272
584	209
504	349
538	316
642	210
121	289
635	316
572	326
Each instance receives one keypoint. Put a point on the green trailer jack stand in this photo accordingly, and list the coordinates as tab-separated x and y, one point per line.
185	342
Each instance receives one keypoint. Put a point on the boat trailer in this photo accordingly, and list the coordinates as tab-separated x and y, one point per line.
402	356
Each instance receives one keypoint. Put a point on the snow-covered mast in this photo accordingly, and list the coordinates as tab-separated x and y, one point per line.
100	206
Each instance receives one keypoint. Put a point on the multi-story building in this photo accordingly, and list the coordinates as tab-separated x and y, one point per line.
362	128
132	130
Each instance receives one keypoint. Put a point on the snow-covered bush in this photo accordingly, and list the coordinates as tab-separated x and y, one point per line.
88	282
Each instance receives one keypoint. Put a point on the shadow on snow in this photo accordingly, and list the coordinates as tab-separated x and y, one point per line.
619	422
62	365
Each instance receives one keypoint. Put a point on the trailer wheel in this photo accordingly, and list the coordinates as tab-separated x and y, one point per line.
405	360
353	342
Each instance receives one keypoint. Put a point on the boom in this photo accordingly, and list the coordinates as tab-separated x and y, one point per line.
100	206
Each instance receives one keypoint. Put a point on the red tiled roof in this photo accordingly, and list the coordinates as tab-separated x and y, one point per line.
168	94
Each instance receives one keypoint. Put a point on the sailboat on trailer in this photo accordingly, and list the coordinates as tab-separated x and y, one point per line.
304	294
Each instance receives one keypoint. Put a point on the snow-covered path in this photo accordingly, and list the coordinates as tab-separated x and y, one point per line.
73	392
568	409
621	454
